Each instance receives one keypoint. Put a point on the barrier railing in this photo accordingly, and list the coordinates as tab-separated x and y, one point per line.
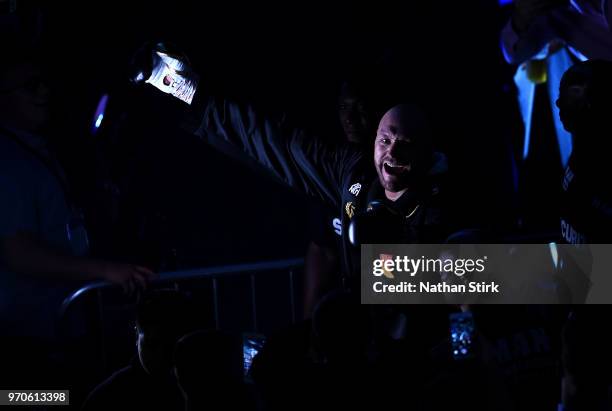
215	274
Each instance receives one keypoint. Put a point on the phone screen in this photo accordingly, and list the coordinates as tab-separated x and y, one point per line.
462	331
251	345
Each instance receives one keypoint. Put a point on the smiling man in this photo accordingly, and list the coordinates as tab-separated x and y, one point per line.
403	152
402	183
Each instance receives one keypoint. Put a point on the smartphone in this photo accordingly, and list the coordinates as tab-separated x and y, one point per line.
461	333
251	345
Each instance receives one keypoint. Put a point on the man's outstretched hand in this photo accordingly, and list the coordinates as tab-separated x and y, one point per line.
165	69
25	254
132	278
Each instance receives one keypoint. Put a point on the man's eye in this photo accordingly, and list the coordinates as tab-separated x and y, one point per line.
405	144
385	140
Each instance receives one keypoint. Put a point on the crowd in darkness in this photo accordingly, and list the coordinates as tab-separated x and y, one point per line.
412	124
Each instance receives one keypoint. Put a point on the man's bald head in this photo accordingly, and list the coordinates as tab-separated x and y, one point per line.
407	119
403	150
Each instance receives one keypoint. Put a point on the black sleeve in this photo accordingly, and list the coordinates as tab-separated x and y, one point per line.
320	226
300	160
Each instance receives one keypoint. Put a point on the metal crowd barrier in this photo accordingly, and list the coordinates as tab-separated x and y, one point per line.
215	274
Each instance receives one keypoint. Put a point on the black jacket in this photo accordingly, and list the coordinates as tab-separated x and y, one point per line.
586	203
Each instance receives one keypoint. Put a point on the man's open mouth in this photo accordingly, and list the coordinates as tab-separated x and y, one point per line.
395	169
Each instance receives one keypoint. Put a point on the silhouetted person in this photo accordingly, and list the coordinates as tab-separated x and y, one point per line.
43	240
585	104
208	369
357	115
586	361
163	317
545	38
44	250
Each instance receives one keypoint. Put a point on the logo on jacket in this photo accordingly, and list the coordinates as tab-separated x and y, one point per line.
337	224
570	234
355	189
350	209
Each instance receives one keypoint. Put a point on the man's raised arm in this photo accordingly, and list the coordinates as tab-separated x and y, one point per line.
299	159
